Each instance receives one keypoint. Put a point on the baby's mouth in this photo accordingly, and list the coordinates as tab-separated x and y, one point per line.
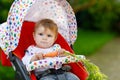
44	42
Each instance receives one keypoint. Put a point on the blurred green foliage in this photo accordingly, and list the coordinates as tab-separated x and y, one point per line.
104	15
4	8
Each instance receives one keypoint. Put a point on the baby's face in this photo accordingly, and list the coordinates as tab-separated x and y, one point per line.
44	38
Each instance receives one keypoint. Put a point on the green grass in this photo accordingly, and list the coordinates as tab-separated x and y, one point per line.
88	42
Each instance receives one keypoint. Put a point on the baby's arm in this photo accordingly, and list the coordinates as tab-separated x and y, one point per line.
27	58
36	57
31	55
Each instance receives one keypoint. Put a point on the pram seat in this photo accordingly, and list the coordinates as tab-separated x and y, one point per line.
26	39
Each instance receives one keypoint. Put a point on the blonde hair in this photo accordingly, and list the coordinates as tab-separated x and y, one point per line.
47	24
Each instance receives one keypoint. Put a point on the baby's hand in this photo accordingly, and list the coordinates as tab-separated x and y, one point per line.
34	58
40	56
37	57
61	52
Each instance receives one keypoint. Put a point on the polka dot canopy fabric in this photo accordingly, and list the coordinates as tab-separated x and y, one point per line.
33	10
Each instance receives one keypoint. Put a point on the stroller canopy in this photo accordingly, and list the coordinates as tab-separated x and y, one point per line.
33	10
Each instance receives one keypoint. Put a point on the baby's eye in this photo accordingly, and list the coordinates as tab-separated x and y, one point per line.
49	35
40	34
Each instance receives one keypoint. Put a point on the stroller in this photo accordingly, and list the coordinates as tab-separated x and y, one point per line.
16	33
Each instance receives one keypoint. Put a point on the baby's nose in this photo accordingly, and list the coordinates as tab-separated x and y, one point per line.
45	38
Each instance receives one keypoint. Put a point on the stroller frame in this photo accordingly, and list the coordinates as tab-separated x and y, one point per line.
20	71
16	53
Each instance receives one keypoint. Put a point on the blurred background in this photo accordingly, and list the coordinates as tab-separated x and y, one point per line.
98	34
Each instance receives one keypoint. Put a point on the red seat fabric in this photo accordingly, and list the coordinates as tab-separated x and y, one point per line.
26	39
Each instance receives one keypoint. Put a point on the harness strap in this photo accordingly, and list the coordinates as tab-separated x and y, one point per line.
59	73
61	76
